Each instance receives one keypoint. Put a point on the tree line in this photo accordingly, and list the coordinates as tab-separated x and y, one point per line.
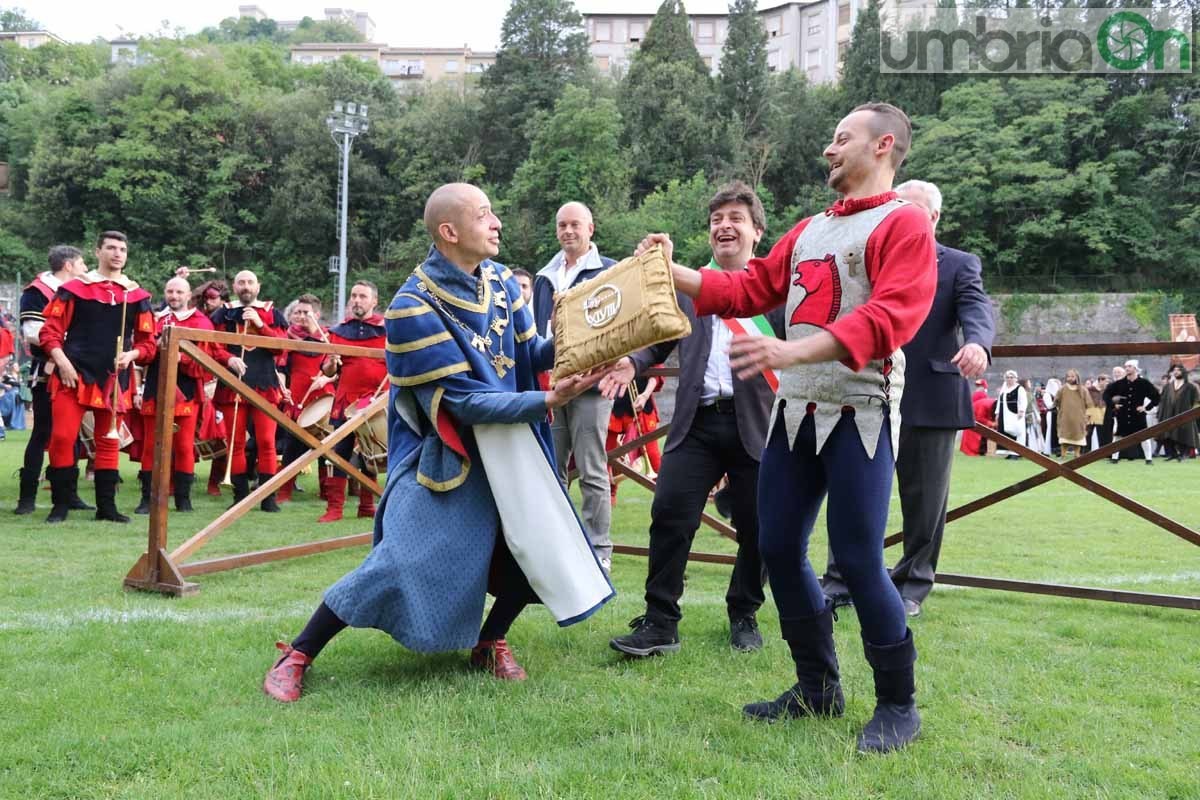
213	150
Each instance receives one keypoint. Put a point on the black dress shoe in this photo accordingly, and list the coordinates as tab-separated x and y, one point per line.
744	635
649	638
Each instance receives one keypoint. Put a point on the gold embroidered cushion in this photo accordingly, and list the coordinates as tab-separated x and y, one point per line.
627	307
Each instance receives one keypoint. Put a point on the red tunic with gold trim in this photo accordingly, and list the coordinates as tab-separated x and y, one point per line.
260	363
302	370
361	376
84	319
191	376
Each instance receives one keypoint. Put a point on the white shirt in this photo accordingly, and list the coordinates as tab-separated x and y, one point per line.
563	276
718	377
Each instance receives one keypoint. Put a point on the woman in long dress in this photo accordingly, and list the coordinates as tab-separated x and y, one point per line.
1012	403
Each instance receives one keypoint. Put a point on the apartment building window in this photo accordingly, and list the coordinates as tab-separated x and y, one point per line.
451	66
844	14
306	59
705	32
843	48
774	26
476	69
637	31
708	62
601	63
603	32
812	63
774	61
814	25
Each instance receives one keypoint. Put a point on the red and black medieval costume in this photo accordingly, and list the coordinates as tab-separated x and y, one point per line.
84	321
260	376
360	378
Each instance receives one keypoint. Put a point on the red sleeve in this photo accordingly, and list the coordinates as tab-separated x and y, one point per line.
763	285
901	264
144	339
58	317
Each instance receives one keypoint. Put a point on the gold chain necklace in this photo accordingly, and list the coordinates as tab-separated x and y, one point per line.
482	342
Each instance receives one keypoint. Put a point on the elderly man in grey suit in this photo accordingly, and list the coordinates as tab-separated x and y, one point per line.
719	427
935	406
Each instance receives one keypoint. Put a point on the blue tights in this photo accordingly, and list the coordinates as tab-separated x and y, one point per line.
791	488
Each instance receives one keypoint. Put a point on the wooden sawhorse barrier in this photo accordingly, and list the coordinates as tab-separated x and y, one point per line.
167	572
1051	470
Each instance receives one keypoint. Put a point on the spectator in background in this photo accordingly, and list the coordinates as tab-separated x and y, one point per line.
526	282
1132	396
1074	402
1095	414
1012	403
1179	395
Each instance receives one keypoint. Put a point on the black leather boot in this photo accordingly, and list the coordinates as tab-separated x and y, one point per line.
183	491
143	507
27	502
268	503
241	487
62	488
106	496
75	502
818	688
896	721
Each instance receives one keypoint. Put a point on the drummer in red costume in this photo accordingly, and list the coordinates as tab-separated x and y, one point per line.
189	397
249	315
83	323
360	377
305	381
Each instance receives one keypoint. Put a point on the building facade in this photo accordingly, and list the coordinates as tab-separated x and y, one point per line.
359	20
30	39
808	35
403	66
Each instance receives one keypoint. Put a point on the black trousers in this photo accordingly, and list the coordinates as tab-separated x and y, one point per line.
923	478
712	448
39	437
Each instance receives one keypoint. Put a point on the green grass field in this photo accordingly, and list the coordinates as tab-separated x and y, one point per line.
114	694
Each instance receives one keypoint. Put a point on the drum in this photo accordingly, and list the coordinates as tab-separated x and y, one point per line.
87	434
370	438
208	449
314	417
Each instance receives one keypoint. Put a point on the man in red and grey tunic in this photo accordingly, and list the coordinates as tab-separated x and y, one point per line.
858	282
359	378
83	325
65	263
189	397
249	315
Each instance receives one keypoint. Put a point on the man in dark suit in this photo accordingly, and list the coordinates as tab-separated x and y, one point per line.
936	404
718	428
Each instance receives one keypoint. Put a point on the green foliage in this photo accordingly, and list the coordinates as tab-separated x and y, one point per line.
668	101
1013	308
744	80
17	19
543	48
575	156
1153	310
679	208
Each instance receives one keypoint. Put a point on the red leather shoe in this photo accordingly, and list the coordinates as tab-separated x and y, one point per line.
496	657
285	680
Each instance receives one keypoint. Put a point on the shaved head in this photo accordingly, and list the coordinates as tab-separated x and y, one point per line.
448	204
245	275
177	293
179	284
575	209
460	220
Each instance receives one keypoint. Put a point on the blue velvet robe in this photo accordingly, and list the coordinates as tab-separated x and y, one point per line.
425	580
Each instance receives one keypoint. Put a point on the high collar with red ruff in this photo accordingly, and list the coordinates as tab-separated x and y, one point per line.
852	205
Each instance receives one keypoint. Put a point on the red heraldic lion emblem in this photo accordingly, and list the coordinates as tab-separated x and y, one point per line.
820	292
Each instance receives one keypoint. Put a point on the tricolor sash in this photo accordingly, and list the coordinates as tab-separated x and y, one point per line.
752	326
